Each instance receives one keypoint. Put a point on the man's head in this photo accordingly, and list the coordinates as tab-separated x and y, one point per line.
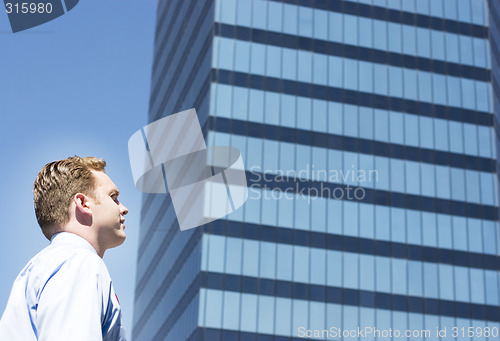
75	194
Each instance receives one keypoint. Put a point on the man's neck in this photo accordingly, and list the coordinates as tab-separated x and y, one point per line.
85	233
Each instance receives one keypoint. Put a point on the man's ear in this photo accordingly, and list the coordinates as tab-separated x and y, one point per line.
82	204
83	209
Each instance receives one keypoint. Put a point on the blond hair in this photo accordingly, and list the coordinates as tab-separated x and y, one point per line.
55	186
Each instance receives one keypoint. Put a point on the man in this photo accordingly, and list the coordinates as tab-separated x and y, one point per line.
65	292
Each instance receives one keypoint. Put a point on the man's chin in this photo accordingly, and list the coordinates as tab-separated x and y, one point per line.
122	238
119	238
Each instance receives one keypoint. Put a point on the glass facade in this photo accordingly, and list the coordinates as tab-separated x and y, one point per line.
369	134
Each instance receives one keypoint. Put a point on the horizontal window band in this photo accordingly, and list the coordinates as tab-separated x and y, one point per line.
201	333
351	144
363	246
351	297
351	97
400	17
373	196
353	52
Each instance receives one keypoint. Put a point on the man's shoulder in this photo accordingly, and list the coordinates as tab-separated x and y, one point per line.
68	247
57	263
66	251
64	258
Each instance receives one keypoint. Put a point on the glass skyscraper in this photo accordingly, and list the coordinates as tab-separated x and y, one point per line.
369	135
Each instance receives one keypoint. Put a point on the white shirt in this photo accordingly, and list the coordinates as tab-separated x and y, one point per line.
63	293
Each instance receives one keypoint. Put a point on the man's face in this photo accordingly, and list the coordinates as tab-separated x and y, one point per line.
107	212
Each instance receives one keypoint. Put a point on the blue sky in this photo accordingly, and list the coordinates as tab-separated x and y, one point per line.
76	85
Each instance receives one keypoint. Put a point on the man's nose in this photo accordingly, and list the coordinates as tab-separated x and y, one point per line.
123	210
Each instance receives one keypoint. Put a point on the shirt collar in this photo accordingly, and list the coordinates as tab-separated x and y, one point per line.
71	239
